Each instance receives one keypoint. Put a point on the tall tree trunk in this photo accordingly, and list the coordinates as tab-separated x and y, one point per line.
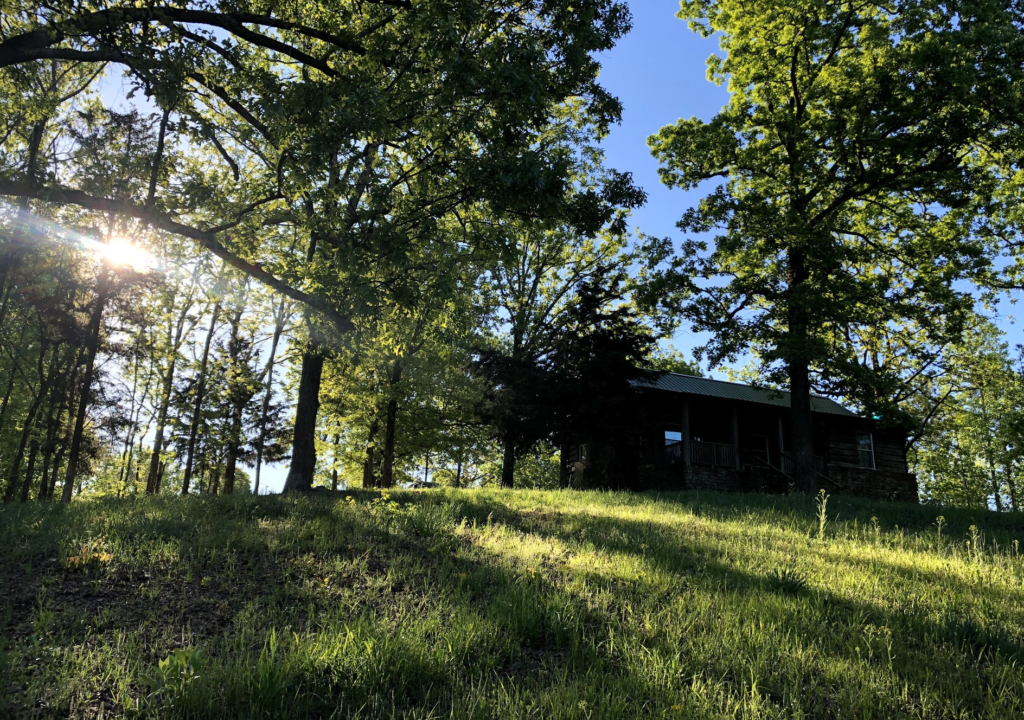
458	474
175	335
369	479
231	459
508	464
993	476
334	473
12	481
300	475
387	471
22	233
58	463
563	466
46	376
279	318
44	475
11	380
92	347
158	439
64	426
7	396
234	444
1011	486
197	408
134	423
800	376
134	460
160	476
161	422
303	465
53	418
30	471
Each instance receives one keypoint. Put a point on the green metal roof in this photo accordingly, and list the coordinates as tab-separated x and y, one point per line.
692	385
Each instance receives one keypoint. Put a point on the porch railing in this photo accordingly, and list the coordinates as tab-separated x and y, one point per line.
724	455
789	464
714	454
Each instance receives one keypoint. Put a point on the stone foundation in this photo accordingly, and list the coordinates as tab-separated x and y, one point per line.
876	484
843	480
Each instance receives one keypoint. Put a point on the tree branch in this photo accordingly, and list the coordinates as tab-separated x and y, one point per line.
38	44
159	219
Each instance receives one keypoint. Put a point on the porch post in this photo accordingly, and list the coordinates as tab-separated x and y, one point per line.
686	432
736	435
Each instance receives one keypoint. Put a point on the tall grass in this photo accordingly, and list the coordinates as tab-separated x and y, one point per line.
492	604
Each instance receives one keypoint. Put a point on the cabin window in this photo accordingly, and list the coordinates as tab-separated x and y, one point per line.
672	437
866	450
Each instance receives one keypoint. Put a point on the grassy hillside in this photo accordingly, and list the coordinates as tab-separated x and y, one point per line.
482	604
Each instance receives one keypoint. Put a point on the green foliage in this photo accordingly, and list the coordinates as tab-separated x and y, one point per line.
420	603
674	361
538	469
969	450
845	203
574	386
821	504
173	676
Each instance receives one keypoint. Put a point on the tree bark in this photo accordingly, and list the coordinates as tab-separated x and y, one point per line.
1011	486
53	421
160	476
128	457
802	426
161	423
300	474
165	404
30	420
234	444
44	473
798	367
46	376
508	464
92	346
563	466
387	471
30	470
7	396
369	480
197	409
67	398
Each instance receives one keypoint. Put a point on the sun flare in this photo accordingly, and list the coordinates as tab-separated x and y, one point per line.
122	252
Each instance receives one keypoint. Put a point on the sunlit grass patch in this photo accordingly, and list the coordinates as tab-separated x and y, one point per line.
484	604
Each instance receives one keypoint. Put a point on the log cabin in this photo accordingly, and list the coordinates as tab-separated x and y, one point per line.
704	434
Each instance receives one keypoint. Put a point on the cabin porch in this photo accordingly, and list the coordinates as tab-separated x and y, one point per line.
715	443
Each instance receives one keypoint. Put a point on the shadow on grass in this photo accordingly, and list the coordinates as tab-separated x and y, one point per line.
310	607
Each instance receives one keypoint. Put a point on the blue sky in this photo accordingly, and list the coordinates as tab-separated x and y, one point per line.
659	73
